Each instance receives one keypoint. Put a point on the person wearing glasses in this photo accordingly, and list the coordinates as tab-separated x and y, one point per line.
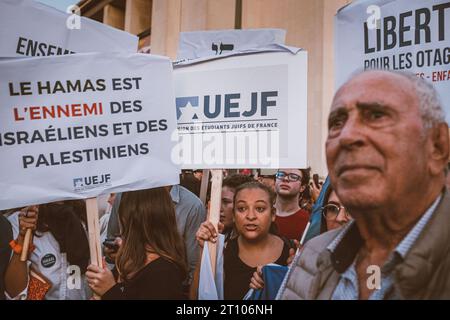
291	219
334	214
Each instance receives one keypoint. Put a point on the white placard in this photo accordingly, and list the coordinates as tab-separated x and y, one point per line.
72	127
246	111
29	28
411	35
199	44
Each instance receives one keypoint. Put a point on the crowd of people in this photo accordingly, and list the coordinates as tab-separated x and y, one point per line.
387	205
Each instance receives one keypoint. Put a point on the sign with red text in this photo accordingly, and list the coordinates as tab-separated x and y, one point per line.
72	127
30	28
411	35
244	111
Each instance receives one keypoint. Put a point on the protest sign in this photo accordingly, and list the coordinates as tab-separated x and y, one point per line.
246	111
198	44
72	127
29	28
398	35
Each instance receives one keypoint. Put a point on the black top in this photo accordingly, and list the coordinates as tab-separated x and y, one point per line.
238	274
160	279
5	251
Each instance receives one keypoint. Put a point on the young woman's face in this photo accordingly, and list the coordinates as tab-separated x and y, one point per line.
253	213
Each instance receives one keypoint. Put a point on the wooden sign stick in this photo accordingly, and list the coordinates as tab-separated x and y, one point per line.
214	213
26	245
27	240
94	232
204	186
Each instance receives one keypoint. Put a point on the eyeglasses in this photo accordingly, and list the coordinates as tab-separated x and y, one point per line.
331	211
292	177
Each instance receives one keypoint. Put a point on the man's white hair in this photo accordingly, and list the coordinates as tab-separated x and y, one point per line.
430	105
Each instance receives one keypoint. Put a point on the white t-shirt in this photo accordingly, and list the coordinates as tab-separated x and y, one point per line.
67	282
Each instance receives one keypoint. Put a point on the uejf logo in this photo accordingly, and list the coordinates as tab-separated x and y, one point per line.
227	105
91	182
74	20
77	183
188	107
234	129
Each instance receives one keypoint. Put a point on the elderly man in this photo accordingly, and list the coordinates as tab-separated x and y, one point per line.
387	150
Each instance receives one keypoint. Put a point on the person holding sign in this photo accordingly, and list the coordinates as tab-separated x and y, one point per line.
257	243
151	261
58	253
333	216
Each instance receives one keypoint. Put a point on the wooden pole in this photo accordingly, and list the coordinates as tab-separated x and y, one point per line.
26	245
214	213
28	238
204	186
94	231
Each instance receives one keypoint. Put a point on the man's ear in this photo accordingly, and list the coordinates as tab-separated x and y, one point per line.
440	148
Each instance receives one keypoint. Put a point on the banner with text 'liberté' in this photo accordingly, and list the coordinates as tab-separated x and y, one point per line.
411	35
29	28
73	127
243	111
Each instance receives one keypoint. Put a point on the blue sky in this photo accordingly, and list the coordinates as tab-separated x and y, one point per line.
59	4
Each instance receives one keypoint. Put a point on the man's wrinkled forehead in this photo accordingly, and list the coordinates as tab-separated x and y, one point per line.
376	87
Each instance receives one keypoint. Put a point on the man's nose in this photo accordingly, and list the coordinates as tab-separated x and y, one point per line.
352	134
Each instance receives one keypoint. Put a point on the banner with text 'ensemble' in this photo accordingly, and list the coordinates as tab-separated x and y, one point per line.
411	35
244	111
29	28
72	127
